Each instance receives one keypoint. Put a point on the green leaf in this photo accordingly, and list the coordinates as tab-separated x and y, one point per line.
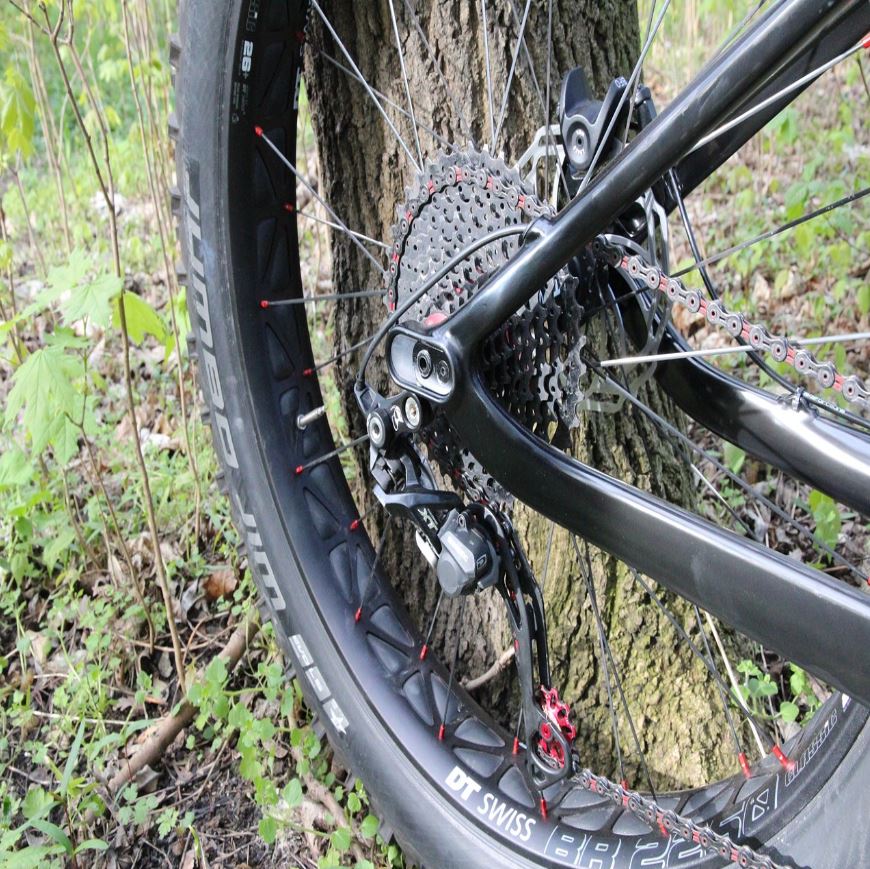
292	793
33	856
53	832
15	468
766	688
827	517
16	113
36	803
369	826
142	319
92	300
863	299
340	839
734	457
788	710
268	828
798	681
749	668
72	760
92	845
62	278
60	541
43	388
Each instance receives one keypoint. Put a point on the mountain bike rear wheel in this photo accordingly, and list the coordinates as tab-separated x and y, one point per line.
455	801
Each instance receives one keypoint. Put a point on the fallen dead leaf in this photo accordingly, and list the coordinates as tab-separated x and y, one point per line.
220	583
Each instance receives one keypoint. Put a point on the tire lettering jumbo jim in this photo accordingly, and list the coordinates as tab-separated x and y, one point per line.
198	302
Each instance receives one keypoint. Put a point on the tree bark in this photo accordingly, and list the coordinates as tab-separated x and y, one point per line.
364	170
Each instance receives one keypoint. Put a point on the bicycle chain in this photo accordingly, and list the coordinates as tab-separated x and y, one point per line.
672	824
737	325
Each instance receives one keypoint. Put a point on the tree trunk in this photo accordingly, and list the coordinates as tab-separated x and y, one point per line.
363	174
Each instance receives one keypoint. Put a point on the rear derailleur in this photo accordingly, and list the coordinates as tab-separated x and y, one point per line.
472	547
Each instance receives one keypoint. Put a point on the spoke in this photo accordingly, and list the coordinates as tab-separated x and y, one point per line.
738	699
739	520
757	358
516	745
488	71
735	685
649	24
674	432
593	599
350	232
632	79
771	233
300	469
308	372
590	590
548	85
452	677
378	552
457	106
400	311
283	158
366	85
405	81
424	649
725	351
386	100
520	39
795	85
326	297
738	748
545	102
738	29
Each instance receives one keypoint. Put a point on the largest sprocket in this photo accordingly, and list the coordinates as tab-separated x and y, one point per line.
532	364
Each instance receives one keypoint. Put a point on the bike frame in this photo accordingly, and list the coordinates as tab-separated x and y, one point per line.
820	623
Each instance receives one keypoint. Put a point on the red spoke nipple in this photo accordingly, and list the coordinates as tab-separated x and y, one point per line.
289	207
423	652
354	525
744	764
866	41
441	732
783	758
299	470
258	131
357	615
264	303
543	808
308	372
624	784
516	748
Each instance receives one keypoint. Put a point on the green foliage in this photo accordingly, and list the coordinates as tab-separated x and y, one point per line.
826	516
16	115
45	391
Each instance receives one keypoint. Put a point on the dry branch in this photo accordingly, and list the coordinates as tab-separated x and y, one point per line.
164	732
